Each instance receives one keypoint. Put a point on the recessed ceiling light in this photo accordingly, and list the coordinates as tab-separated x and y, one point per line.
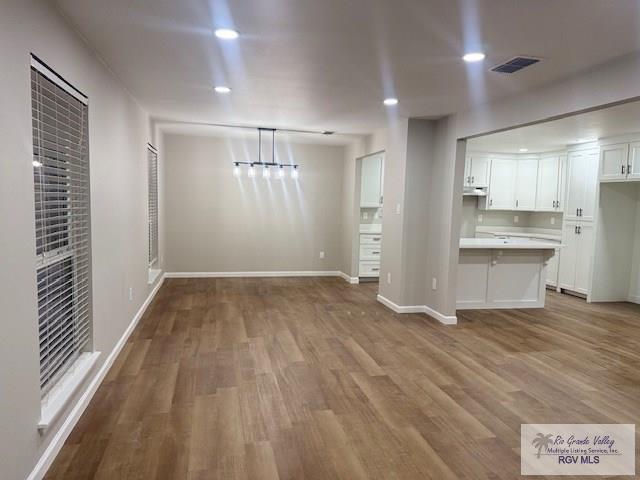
522	150
222	89
473	57
226	34
389	102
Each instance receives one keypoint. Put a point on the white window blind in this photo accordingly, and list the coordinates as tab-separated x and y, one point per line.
152	159
62	221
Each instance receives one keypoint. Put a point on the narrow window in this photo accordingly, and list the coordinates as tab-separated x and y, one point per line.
152	160
62	221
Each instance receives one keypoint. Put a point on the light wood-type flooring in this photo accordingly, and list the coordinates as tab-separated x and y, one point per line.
311	378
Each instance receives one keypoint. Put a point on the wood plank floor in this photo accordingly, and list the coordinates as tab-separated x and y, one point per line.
311	378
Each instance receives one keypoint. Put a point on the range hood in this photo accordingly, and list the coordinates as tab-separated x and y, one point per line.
474	192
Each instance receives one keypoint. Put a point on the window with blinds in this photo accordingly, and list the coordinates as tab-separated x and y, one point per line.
62	221
152	159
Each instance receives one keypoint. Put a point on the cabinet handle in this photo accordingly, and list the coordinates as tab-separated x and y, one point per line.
580	212
628	169
376	239
517	202
575	229
375	269
491	202
623	167
375	253
473	179
579	230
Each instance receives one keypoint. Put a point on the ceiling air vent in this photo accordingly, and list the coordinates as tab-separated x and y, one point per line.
515	64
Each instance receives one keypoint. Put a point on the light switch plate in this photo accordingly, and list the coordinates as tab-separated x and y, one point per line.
434	283
365	215
553	220
389	278
321	255
480	218
397	209
516	219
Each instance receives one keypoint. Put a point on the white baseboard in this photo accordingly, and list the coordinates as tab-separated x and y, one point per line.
634	298
445	319
52	450
347	278
299	273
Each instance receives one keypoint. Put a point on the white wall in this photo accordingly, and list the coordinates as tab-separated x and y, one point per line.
218	223
634	284
118	133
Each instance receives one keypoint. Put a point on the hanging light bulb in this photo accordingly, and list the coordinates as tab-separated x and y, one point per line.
36	163
294	173
281	172
266	173
236	171
252	171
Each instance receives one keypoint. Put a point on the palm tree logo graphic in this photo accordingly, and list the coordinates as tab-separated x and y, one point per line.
542	441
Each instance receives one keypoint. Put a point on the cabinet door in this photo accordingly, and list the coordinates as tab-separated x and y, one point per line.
467	172
613	162
588	207
576	180
526	183
370	193
583	257
548	197
633	171
479	172
552	269
502	186
567	269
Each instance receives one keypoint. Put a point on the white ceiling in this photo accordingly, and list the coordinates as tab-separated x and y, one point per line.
327	64
558	134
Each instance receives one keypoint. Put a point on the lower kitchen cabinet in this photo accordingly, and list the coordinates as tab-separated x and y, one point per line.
575	262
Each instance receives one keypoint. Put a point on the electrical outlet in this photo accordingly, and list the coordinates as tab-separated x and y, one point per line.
553	220
516	219
434	283
365	216
321	255
389	278
397	209
130	294
480	218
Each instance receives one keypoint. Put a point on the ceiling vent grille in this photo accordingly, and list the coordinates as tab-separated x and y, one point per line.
515	64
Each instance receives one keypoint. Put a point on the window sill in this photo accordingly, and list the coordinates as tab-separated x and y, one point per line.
154	273
54	402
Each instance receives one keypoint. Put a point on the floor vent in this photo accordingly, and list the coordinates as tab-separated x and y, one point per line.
515	64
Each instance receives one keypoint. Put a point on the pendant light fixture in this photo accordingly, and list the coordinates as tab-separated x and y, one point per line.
266	171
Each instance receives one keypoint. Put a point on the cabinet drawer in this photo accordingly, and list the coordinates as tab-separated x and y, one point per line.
370	239
370	252
369	269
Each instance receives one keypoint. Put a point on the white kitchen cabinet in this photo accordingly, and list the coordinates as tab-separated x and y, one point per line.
614	160
575	262
526	184
371	181
502	185
549	184
633	170
552	269
479	172
582	182
370	254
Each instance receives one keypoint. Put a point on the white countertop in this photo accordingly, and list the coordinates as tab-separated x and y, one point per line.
504	244
374	228
542	233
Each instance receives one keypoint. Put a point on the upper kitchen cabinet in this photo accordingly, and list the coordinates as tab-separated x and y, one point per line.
582	183
550	169
502	185
476	172
526	184
372	179
614	162
633	170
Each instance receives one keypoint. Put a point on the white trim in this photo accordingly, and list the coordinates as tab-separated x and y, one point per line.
634	298
52	450
153	275
444	319
55	78
302	273
347	278
54	402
